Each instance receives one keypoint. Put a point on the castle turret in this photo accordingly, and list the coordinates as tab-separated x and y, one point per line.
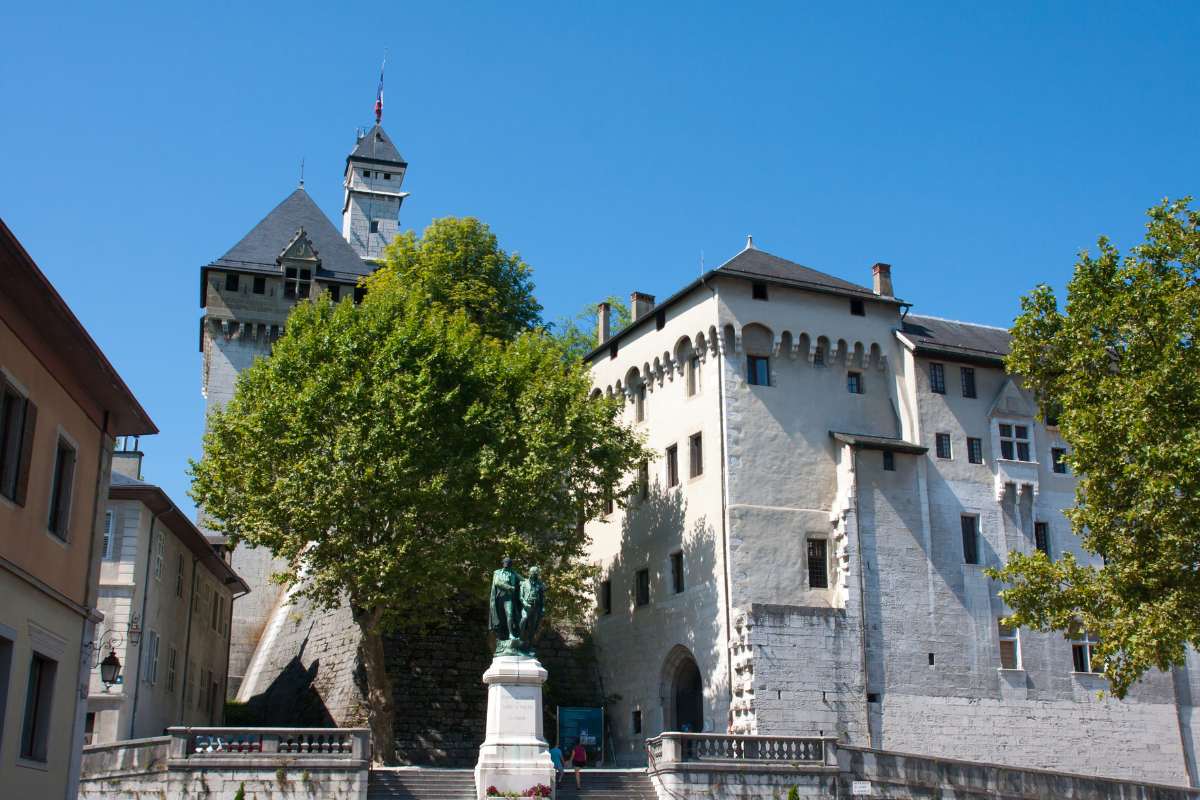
371	209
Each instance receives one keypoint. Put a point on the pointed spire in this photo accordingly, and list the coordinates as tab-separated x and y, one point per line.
749	242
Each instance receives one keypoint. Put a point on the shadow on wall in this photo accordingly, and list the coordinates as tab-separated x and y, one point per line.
290	701
640	644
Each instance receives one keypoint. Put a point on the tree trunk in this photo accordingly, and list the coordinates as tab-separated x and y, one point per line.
381	712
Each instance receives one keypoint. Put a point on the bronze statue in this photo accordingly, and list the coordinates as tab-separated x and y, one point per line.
516	607
533	606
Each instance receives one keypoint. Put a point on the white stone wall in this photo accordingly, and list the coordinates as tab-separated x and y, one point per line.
375	198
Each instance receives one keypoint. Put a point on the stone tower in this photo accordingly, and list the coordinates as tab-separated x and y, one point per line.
371	205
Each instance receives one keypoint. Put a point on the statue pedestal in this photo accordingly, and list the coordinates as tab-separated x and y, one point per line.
514	755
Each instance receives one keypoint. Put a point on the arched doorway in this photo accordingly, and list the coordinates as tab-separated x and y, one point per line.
682	692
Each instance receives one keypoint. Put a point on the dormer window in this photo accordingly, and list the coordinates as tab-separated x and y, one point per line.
1014	442
296	282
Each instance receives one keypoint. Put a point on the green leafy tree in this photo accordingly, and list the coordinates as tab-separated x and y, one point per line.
1121	366
392	452
578	333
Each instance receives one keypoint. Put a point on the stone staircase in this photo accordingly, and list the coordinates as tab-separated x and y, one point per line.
459	784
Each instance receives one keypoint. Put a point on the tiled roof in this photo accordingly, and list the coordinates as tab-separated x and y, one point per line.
755	263
951	337
259	248
376	146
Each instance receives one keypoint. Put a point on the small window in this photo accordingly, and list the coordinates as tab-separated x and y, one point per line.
637	721
1014	442
612	350
1010	647
366	173
889	461
605	597
296	282
942	445
677	572
673	465
818	566
260	285
172	655
931	659
693	375
854	382
857	308
18	419
387	176
970	539
660	319
160	545
937	378
639	403
179	576
39	696
643	587
968	381
374	226
819	356
758	370
696	455
335	292
60	492
108	536
974	450
643	481
150	658
1083	653
1057	454
759	291
232	280
1041	537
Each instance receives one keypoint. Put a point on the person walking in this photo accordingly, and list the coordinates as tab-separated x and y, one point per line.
556	757
579	761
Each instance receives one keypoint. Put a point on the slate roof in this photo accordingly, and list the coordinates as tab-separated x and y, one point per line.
259	249
951	338
755	263
376	146
121	479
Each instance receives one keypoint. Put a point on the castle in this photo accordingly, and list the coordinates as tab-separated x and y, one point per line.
807	553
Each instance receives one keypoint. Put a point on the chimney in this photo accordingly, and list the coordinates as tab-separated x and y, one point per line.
127	458
881	275
640	305
603	318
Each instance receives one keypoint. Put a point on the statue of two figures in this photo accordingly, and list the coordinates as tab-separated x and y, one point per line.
516	607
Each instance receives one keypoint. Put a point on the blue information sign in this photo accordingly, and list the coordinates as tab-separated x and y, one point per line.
585	725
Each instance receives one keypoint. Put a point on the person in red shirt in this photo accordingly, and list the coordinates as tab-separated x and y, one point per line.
578	760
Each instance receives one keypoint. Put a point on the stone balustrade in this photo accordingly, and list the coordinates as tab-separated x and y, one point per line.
293	743
674	747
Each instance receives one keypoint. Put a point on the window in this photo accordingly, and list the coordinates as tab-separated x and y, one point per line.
942	445
759	290
605	597
857	308
108	536
643	481
974	450
6	657
968	381
374	226
359	293
970	539
387	176
35	731
150	658
637	721
673	465
819	356
1057	454
1010	647
612	350
1083	652
1014	441
889	461
937	378
643	587
854	382
660	319
758	371
1041	537
179	576
335	292
18	418
639	403
160	545
818	567
171	657
677	572
693	375
232	280
696	455
296	282
260	285
60	491
366	173
89	728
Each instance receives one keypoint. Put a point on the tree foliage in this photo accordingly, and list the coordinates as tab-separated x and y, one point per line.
578	333
391	452
1121	365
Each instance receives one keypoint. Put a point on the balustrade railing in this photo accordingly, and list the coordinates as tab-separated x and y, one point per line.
323	743
732	748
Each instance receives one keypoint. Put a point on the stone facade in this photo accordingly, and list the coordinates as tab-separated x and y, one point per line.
830	424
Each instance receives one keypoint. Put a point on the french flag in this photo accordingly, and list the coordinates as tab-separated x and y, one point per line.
379	95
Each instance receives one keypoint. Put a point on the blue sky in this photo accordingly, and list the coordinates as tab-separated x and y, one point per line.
975	149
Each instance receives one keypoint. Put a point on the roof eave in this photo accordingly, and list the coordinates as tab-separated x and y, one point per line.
871	442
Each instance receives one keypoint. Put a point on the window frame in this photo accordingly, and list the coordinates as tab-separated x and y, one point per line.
179	574
643	480
821	543
678	584
1013	445
1009	635
938	440
636	722
967	379
297	282
1057	465
605	599
259	286
1041	536
18	427
160	551
672	465
107	550
641	588
937	377
753	373
758	291
639	403
58	516
858	308
696	454
1084	642
172	657
39	708
233	282
854	382
889	461
693	376
970	539
974	450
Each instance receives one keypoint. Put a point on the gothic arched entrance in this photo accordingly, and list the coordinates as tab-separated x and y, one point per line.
683	692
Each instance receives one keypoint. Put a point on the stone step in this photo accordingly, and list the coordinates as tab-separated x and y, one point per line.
449	784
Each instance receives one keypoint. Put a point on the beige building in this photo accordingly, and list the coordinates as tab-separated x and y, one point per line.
61	405
166	592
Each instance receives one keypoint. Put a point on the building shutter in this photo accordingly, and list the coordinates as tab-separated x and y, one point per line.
26	452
